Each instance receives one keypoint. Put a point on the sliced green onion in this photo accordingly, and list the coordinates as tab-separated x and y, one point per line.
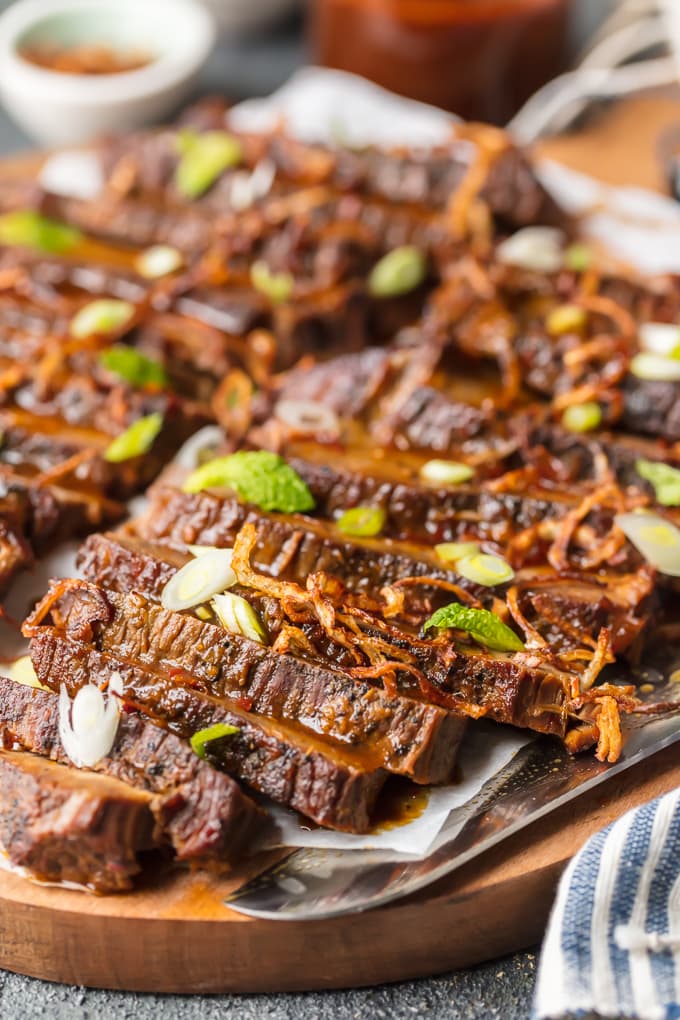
238	617
198	580
101	316
22	672
661	338
28	228
663	478
484	627
582	417
482	568
399	272
362	521
578	257
136	440
655	538
449	552
258	476
132	366
204	157
203	550
159	260
653	367
566	319
446	472
533	248
200	740
278	287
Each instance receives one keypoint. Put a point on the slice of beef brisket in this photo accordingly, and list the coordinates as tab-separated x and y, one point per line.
200	811
64	825
398	732
335	786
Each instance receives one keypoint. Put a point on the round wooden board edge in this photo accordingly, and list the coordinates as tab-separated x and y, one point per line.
179	937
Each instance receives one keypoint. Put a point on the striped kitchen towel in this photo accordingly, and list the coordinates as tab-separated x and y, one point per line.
613	942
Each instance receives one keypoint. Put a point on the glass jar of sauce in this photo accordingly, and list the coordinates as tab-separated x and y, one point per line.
479	58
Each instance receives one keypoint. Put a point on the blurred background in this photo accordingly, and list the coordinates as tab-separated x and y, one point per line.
481	58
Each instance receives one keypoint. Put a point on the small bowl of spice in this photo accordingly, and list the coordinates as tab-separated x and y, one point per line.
74	69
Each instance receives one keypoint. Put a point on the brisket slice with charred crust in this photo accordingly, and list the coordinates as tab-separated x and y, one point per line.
334	786
505	689
65	825
200	811
399	733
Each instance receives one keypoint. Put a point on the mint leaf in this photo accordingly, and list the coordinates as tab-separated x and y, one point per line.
664	479
258	476
135	368
485	627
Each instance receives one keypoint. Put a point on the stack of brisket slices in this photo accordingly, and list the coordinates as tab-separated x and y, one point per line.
348	690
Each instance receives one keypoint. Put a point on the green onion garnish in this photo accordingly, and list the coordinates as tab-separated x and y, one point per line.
582	417
482	568
449	552
159	260
198	580
578	257
238	616
101	316
133	367
204	157
566	319
656	367
654	537
136	440
200	740
258	476
664	479
28	228
446	472
399	272
362	521
484	627
278	287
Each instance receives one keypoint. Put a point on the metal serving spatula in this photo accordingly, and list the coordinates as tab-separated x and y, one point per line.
314	883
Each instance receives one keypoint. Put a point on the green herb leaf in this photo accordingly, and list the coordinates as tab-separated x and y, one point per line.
132	366
136	440
484	627
363	521
399	272
28	228
258	476
200	740
278	287
203	158
101	316
664	479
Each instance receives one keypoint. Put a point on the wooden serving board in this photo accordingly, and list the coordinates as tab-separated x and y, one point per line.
176	935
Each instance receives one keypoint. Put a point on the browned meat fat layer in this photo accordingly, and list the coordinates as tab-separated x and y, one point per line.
335	787
201	812
65	825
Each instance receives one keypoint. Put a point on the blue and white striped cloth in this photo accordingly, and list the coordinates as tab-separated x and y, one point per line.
613	942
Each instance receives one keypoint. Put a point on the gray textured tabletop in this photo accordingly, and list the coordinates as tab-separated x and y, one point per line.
499	989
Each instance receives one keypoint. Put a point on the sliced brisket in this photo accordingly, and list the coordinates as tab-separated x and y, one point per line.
200	811
64	825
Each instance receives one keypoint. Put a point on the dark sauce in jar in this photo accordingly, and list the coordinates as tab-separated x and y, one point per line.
479	58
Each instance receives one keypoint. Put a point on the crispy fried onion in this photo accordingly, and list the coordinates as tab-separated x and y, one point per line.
378	649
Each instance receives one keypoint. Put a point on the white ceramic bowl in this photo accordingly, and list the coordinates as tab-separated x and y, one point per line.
57	108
